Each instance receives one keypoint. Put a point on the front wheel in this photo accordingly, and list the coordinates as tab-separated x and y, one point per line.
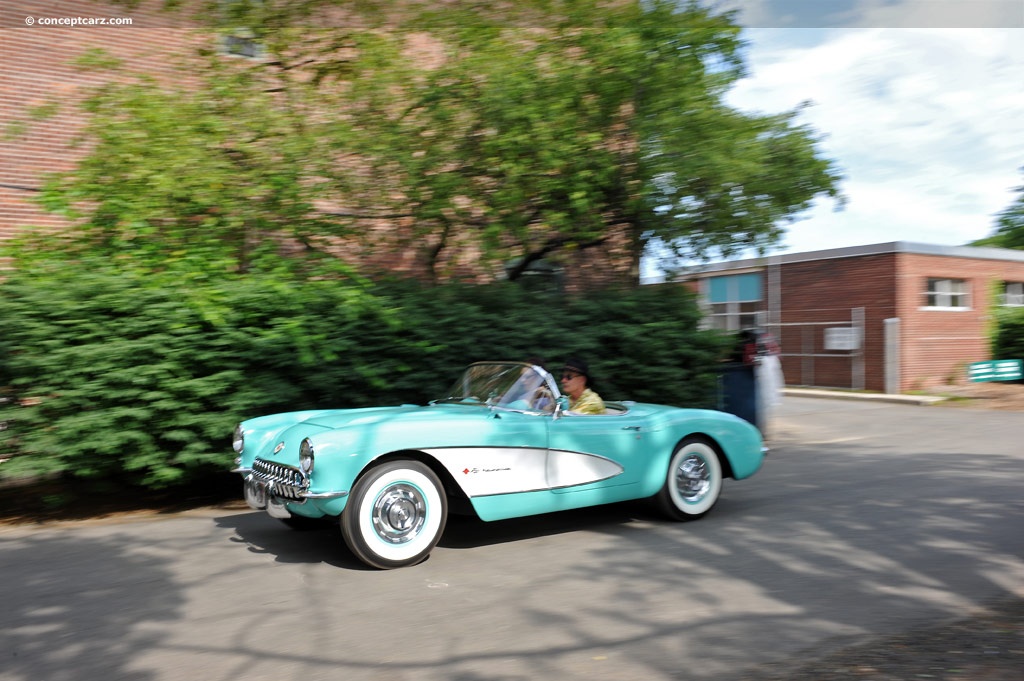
396	514
693	482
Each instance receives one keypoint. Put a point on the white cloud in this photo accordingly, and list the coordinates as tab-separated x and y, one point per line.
875	13
937	13
927	125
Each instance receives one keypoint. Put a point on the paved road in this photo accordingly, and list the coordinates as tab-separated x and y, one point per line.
868	518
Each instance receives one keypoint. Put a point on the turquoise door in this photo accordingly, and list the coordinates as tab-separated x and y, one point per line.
616	438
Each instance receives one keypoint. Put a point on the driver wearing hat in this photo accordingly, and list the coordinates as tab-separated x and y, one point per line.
576	383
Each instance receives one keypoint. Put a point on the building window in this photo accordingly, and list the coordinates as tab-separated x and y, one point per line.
1013	294
949	294
241	43
236	38
733	302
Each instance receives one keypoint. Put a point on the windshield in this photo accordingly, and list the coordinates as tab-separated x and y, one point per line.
511	385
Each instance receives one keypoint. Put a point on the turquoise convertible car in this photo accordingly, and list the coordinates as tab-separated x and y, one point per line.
501	443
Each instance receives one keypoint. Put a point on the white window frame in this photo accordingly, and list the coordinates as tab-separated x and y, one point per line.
947	293
1012	295
730	320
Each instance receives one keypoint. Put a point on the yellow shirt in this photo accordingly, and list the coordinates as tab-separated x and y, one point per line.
588	403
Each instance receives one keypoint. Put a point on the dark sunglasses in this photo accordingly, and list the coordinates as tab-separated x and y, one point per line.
569	377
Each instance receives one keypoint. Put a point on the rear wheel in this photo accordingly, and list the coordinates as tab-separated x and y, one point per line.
395	515
693	482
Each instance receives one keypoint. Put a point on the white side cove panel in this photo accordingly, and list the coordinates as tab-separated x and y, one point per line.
483	471
568	469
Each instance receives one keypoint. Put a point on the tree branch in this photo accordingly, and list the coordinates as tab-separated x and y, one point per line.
552	245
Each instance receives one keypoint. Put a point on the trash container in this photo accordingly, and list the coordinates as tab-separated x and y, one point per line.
750	383
737	391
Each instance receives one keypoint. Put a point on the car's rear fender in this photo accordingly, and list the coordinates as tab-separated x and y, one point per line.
738	450
719	452
652	478
737	442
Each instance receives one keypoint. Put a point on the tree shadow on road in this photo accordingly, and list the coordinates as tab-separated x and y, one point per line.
75	610
832	543
824	548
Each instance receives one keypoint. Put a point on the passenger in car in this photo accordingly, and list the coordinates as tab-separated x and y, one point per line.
576	383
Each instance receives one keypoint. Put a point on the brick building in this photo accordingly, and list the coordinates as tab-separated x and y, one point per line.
887	317
43	85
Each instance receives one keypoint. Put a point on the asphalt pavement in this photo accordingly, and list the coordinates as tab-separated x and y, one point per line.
869	520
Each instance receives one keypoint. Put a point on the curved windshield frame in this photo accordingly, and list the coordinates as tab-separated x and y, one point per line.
516	386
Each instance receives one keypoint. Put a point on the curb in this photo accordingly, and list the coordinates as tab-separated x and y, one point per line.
920	400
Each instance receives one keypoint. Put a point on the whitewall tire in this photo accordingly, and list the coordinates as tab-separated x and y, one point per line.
395	515
693	482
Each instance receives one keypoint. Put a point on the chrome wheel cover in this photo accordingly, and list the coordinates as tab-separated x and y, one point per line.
399	513
693	478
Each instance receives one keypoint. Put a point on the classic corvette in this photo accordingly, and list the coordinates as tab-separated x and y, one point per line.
501	443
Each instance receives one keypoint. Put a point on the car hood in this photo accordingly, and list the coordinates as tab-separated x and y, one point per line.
340	418
277	437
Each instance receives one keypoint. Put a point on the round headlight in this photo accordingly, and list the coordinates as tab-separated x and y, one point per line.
238	440
306	456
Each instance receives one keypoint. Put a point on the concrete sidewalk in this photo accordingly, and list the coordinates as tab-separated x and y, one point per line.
921	400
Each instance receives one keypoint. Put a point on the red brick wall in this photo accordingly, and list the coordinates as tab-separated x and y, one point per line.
820	291
38	70
39	73
937	344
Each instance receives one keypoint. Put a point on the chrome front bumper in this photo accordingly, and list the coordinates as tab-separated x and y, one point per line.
271	486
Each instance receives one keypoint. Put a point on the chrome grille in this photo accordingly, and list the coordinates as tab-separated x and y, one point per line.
282	481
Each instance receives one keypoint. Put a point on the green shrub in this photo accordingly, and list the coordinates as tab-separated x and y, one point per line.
1008	342
138	379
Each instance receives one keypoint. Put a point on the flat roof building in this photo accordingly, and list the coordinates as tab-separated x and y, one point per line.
890	317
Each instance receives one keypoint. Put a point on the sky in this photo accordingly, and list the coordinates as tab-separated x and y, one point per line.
923	117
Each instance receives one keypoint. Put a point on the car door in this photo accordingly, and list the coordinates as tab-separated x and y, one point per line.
597	450
494	451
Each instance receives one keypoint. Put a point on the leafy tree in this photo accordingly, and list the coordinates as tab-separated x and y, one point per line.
606	122
1009	225
208	178
485	135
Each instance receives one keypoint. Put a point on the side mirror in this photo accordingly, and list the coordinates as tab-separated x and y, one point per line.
562	404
